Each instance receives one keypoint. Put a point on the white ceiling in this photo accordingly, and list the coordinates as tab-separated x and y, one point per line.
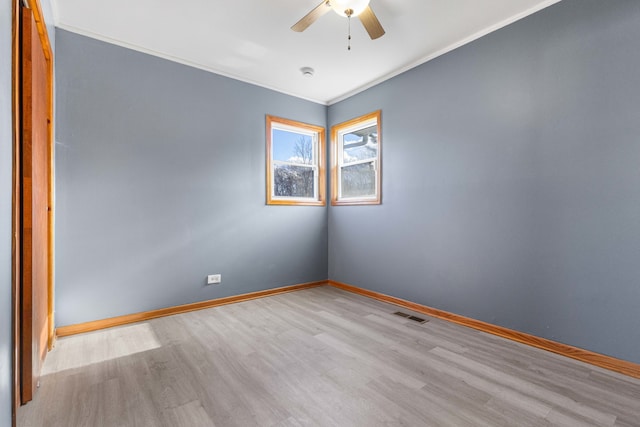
251	40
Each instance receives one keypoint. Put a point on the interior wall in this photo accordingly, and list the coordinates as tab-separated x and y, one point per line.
511	172
6	167
160	180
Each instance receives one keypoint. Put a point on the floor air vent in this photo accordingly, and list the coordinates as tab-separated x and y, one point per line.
410	317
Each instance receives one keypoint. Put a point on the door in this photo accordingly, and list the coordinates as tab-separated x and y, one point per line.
34	206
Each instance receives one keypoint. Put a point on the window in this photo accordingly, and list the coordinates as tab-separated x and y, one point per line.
355	161
295	163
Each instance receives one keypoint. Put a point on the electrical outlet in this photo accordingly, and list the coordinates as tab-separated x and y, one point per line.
214	279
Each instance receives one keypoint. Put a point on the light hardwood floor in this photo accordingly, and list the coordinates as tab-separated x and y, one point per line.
318	357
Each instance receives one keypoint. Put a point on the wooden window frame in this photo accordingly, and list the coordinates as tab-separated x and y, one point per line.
319	198
336	159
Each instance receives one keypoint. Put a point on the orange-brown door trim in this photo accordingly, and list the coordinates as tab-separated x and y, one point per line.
15	203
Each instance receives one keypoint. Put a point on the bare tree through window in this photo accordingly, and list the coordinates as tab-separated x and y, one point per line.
293	180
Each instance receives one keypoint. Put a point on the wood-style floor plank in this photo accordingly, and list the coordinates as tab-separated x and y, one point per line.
318	357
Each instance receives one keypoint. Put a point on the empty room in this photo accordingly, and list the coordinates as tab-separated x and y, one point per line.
320	213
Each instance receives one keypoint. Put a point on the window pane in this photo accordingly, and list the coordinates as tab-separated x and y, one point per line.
293	181
360	144
295	163
358	180
292	147
356	146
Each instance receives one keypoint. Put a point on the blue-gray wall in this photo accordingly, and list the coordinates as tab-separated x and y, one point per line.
6	149
511	180
160	172
510	183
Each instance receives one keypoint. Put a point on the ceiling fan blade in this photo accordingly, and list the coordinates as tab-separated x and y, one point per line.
312	16
371	23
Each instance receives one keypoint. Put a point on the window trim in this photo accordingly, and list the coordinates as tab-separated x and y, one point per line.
320	156
336	160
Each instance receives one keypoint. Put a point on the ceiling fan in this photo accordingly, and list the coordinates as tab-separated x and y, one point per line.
348	8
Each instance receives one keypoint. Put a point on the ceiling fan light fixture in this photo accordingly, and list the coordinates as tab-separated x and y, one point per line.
348	8
342	6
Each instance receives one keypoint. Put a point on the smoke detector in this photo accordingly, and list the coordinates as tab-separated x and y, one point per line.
307	71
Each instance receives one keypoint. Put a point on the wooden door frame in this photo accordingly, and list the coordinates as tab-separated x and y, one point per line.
16	248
